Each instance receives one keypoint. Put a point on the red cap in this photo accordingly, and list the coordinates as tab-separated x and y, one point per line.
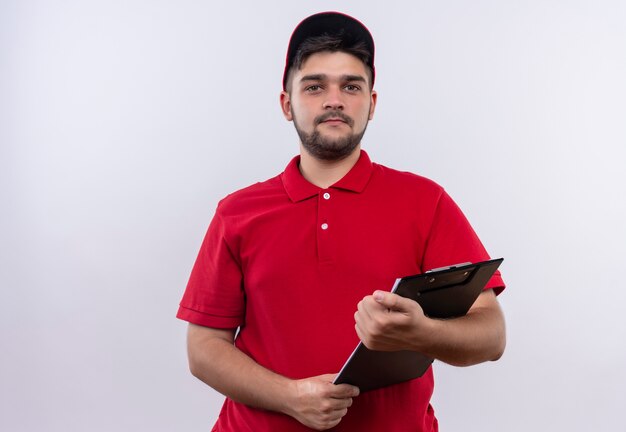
349	29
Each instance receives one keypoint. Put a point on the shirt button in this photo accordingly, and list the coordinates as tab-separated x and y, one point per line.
326	195
324	226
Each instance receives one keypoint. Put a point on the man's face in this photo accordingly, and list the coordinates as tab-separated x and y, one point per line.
330	103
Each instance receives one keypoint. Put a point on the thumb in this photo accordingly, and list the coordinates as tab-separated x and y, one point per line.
328	377
390	300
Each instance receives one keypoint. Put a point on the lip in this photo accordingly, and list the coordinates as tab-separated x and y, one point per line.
334	121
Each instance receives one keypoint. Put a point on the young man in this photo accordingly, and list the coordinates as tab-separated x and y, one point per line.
300	264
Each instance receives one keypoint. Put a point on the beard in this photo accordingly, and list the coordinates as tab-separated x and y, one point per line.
329	149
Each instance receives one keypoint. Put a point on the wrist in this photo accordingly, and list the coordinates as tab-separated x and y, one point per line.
427	334
289	397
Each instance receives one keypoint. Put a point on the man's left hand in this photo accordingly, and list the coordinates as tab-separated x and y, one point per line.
389	322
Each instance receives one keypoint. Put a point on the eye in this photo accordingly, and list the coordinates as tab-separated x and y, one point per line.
352	88
313	88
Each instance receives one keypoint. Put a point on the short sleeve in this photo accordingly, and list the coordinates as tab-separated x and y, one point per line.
452	240
214	296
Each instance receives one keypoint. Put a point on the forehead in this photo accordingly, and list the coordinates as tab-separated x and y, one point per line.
331	65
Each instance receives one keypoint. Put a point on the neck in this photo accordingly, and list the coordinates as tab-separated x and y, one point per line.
324	173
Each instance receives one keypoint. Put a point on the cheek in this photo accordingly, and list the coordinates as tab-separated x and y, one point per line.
303	114
364	114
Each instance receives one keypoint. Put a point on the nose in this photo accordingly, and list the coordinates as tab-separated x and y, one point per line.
333	100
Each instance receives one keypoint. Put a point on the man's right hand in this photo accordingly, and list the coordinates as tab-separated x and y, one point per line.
315	402
318	403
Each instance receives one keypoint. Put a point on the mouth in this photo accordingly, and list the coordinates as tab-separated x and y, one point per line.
334	119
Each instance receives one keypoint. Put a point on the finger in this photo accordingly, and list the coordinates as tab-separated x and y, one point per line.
333	408
339	404
367	319
364	306
366	310
342	391
359	331
361	317
334	421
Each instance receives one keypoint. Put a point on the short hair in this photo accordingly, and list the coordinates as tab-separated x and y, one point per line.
329	43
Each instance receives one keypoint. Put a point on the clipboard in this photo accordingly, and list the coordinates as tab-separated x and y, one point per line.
443	293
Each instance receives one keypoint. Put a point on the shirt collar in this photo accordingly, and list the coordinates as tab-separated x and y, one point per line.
298	188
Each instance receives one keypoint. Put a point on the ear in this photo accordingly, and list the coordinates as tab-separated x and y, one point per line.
373	99
285	105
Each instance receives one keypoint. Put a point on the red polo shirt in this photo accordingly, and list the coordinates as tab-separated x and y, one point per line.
287	262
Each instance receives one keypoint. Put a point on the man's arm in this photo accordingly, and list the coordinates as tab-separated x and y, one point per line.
314	402
389	322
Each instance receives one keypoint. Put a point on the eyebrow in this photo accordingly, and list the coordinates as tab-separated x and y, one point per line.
351	78
314	77
322	77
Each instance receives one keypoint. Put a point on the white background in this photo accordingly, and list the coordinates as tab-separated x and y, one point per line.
122	123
